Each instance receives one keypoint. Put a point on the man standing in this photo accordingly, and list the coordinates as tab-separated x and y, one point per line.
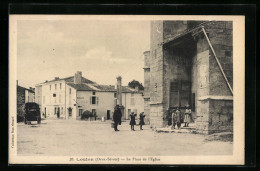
117	117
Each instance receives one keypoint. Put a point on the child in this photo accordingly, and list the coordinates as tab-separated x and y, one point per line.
141	123
187	116
132	121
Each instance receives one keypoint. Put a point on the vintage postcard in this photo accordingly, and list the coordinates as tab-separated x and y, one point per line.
126	89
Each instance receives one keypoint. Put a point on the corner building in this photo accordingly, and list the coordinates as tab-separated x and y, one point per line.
190	63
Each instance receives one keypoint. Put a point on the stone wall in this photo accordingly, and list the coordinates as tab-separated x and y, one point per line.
212	114
147	85
156	74
214	102
221	38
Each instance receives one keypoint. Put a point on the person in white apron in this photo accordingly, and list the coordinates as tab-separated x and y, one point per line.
187	116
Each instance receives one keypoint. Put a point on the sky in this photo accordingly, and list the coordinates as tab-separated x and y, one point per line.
102	50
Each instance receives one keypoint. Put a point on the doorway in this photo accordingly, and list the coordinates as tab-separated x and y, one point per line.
45	112
180	94
58	112
70	112
108	114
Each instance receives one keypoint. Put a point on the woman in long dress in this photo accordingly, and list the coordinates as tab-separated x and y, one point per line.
187	116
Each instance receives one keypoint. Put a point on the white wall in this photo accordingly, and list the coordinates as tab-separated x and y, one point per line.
49	102
71	95
136	106
105	102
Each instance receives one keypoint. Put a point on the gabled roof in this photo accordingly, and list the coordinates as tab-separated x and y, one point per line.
101	88
71	79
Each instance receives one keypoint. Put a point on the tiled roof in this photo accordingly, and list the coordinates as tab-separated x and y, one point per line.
71	80
103	88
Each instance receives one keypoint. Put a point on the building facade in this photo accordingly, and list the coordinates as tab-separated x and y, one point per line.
191	63
69	97
24	95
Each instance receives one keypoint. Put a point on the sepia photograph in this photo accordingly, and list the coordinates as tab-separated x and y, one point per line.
91	89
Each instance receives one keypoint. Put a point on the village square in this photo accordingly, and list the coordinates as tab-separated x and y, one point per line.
182	106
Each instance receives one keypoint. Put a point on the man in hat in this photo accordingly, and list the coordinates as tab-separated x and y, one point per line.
117	117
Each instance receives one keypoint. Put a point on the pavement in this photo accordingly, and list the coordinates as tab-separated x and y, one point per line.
96	138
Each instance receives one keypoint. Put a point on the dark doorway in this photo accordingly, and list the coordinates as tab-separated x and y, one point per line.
58	112
45	112
108	114
70	112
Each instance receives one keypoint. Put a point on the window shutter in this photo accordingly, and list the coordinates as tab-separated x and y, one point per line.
97	100
90	101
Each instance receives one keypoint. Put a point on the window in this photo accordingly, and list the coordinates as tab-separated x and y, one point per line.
50	87
55	86
70	90
59	98
80	112
93	93
60	85
114	95
54	95
93	100
61	111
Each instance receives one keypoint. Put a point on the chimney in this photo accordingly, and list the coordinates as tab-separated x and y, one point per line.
56	78
78	77
30	88
119	90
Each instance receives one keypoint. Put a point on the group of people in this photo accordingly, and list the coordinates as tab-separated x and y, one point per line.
133	123
175	117
118	115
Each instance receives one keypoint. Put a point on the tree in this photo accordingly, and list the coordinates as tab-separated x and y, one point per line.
135	83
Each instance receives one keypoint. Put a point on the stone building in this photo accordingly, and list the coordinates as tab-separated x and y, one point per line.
69	97
24	95
190	63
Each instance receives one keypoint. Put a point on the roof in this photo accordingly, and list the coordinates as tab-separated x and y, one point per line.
184	32
71	79
23	88
101	88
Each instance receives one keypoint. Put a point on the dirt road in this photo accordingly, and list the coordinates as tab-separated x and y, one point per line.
84	138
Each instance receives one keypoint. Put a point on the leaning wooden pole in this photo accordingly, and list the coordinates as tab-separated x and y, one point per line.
219	65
